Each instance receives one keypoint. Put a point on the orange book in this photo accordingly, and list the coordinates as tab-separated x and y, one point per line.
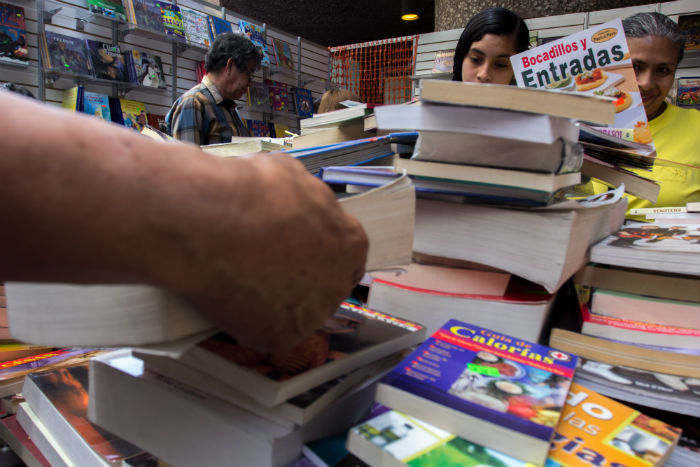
595	430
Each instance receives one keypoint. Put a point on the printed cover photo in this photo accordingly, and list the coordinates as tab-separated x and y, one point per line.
107	61
67	54
13	37
653	237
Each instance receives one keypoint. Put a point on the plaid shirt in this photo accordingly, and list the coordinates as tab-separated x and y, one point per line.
202	116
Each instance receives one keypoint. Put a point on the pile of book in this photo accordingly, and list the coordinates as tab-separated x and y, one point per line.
491	165
471	396
333	127
640	334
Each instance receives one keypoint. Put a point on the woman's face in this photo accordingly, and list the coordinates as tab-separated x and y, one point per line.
654	59
488	60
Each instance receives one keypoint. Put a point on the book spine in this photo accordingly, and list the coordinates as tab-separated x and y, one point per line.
572	157
637	325
642	211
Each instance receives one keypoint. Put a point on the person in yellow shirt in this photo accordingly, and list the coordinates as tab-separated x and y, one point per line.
656	48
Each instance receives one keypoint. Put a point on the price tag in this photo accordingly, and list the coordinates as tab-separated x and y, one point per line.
483	370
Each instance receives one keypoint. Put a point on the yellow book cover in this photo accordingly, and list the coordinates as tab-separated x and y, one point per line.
133	114
595	430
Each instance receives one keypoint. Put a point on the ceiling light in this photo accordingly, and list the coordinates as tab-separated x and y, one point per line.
409	10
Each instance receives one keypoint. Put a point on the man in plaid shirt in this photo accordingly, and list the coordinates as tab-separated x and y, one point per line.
206	114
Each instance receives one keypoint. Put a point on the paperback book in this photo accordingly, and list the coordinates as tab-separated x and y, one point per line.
66	54
258	128
172	19
196	27
257	35
283	53
218	26
145	69
111	8
13	35
132	114
107	61
484	386
146	14
304	101
96	105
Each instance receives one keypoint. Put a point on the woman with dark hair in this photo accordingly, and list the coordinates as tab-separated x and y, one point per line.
484	49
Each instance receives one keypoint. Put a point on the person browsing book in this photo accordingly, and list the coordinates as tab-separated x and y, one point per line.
656	48
206	114
256	243
483	51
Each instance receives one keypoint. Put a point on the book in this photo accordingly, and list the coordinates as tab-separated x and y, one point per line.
257	35
21	444
331	135
283	54
665	248
304	102
172	19
43	439
145	69
133	114
639	281
121	399
484	386
111	8
689	26
158	122
615	176
634	148
614	352
280	130
688	92
258	96
593	62
59	398
12	351
500	123
258	128
638	331
444	61
334	118
73	98
520	310
647	388
352	337
643	307
14	35
252	145
218	26
561	156
66	54
547	182
146	14
278	93
97	105
107	61
540	101
196	27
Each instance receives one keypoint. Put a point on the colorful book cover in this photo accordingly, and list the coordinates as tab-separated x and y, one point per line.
134	114
688	94
112	8
97	105
283	54
690	28
17	369
196	27
219	26
148	15
67	54
444	61
595	61
107	61
645	237
158	122
279	96
503	380
304	102
172	19
595	427
256	34
13	36
258	95
146	69
258	128
67	390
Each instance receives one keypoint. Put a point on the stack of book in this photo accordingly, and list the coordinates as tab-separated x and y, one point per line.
470	396
640	314
333	127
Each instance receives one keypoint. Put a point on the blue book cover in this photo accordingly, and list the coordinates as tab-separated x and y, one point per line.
219	26
304	102
97	105
507	382
255	34
13	37
67	54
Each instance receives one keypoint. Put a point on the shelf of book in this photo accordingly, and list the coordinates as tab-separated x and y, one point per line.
65	80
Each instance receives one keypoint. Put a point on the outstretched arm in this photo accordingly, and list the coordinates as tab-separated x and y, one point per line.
256	243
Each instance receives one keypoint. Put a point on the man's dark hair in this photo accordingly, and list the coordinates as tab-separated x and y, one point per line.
235	46
498	21
18	89
654	24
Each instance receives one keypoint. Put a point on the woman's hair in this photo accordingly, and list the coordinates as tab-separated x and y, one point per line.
331	99
654	24
498	21
235	46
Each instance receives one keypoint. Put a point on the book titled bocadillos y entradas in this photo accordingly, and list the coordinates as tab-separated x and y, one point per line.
490	388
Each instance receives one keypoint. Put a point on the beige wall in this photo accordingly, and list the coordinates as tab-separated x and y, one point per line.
454	14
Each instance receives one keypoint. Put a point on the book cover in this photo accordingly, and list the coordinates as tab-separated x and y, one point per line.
73	98
67	54
280	130
257	35
594	426
201	70
595	61
304	102
172	19
258	128
279	96
157	122
689	26
688	93
134	114
444	61
15	437
111	8
484	385
97	105
258	95
107	61
13	35
218	26
146	69
196	27
283	53
148	15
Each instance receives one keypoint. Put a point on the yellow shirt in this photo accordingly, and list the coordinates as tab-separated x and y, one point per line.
676	134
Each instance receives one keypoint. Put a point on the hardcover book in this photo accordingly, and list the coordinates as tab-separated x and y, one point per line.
146	14
258	128
218	26
304	102
13	35
283	53
688	93
133	114
196	27
73	98
172	19
279	96
258	96
352	337
145	69
107	61
256	34
67	54
111	8
484	386
97	105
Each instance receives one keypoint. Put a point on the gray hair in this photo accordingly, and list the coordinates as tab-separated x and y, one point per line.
654	24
